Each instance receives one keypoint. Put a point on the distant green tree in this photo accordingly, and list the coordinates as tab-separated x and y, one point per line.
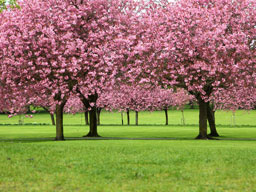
2	5
5	3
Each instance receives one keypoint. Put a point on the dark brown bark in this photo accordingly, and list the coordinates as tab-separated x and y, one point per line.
98	115
51	115
211	121
122	118
52	119
136	118
128	117
182	118
166	116
59	121
93	131
86	114
202	119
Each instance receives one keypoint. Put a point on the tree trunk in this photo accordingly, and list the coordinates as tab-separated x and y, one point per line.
122	117
211	120
51	115
28	109
86	118
52	119
166	116
59	122
92	113
182	117
93	132
128	117
136	118
21	119
98	115
202	119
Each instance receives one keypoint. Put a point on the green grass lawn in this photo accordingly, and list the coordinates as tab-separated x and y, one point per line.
148	157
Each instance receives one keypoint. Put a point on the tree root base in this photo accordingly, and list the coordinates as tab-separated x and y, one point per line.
205	137
213	135
92	135
59	139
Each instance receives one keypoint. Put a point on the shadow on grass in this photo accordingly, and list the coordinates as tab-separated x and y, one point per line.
47	139
170	125
132	125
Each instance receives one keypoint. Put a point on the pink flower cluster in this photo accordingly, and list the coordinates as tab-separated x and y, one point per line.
54	50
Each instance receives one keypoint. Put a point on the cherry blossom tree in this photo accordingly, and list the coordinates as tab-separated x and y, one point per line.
233	99
66	47
125	98
107	22
139	98
201	46
8	95
107	100
161	99
74	105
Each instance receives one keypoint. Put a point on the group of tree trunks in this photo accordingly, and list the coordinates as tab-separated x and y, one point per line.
92	118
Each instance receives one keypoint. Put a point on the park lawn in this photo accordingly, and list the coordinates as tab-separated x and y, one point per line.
149	157
128	165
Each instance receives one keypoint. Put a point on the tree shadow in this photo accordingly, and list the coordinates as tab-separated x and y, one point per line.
163	125
27	140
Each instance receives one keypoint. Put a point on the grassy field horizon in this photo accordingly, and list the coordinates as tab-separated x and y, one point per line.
223	118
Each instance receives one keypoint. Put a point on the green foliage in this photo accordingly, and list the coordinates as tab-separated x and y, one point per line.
4	4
